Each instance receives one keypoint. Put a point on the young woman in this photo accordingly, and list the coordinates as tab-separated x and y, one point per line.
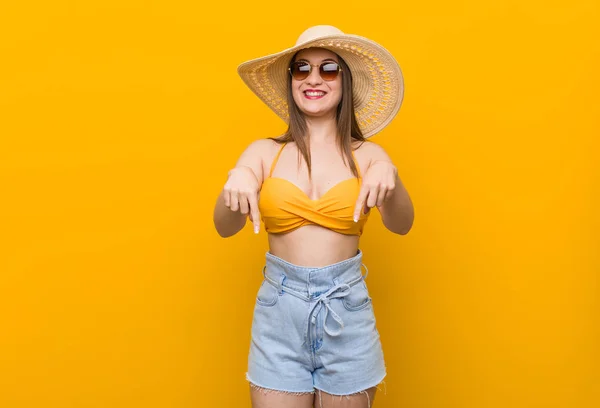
313	187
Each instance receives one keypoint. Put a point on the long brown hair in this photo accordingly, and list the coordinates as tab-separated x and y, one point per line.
346	123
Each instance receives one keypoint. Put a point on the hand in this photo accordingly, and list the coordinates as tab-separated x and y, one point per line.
378	185
241	194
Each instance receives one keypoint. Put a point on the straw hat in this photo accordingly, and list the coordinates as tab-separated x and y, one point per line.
378	85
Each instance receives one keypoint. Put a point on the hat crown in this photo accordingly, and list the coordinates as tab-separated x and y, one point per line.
316	32
377	81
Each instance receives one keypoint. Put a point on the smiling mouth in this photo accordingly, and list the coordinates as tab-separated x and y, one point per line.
314	94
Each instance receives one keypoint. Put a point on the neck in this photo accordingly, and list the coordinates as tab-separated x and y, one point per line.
321	130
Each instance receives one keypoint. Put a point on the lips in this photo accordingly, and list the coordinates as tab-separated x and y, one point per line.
314	94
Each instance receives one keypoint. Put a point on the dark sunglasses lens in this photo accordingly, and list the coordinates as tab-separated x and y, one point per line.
329	71
300	70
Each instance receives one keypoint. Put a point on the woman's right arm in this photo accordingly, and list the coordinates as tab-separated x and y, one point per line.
239	197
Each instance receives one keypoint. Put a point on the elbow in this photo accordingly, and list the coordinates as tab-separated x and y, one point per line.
407	226
223	234
227	227
400	226
402	229
398	217
223	231
405	230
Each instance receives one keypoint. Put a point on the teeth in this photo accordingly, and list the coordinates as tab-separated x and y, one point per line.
315	93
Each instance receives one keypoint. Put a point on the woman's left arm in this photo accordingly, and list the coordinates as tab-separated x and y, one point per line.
382	187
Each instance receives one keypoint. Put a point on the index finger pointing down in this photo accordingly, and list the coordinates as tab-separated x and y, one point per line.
252	200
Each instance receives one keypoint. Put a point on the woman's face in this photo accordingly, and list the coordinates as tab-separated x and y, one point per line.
314	96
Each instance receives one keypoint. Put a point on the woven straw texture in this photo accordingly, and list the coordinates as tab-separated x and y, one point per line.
378	85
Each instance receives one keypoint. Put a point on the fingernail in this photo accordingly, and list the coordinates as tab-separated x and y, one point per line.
256	230
355	219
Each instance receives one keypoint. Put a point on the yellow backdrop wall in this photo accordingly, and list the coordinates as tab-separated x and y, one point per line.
120	119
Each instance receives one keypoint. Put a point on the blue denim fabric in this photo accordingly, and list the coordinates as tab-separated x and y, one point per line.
315	328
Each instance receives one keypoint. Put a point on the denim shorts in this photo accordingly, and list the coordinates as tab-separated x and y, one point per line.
315	328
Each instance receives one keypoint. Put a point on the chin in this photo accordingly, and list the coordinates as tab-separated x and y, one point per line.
318	113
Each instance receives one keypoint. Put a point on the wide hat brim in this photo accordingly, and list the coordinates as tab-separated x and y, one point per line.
377	88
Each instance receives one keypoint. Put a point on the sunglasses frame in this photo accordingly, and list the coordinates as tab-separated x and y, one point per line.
316	66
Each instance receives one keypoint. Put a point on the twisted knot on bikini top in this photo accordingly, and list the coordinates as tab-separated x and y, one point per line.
284	207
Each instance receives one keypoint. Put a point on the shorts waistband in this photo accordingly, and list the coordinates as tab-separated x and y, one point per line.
312	281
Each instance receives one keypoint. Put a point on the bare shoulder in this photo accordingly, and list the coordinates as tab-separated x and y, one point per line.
265	149
258	155
369	151
262	147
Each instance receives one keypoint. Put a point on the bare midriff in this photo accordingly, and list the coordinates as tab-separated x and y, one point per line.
313	246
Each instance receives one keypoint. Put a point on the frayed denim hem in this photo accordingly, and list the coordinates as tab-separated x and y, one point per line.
347	396
267	390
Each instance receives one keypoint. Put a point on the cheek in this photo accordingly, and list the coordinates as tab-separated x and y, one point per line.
338	88
338	94
338	98
296	94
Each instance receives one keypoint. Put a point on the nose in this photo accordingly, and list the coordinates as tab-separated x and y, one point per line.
314	78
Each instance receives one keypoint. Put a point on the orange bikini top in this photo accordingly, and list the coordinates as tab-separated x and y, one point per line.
284	206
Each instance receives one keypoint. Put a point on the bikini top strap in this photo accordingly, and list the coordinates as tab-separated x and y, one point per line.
276	159
356	164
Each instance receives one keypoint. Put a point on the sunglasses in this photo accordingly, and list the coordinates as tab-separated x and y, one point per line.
300	70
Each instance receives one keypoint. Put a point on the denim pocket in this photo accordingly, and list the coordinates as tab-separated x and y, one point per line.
358	298
267	294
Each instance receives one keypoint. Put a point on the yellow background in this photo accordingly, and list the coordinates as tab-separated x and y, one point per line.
120	119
